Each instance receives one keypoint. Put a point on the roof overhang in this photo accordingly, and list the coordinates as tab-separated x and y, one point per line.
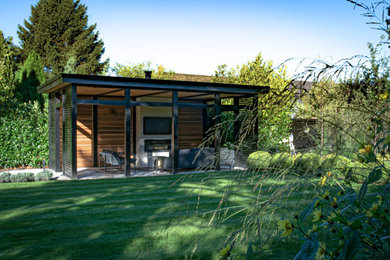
64	80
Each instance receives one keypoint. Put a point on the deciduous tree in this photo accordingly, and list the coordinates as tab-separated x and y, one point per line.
8	64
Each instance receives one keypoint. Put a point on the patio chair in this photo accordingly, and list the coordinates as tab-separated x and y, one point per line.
113	159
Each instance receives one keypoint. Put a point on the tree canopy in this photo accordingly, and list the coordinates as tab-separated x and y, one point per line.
9	55
275	107
28	78
137	71
58	31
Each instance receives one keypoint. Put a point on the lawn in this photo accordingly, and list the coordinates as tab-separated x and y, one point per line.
145	218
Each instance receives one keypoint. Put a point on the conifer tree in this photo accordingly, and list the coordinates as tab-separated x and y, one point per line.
28	78
57	31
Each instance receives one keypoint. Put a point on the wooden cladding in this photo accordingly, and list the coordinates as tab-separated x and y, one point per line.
190	127
111	130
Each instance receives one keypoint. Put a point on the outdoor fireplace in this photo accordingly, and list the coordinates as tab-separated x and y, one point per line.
157	145
157	152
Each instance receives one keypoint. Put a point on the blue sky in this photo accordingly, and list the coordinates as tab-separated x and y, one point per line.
197	36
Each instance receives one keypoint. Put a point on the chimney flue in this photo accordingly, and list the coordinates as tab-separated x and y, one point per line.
148	74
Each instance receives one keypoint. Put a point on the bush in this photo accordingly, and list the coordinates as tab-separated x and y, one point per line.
23	135
43	176
307	163
337	164
14	178
5	177
281	161
259	160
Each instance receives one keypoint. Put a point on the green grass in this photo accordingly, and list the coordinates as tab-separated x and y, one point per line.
165	217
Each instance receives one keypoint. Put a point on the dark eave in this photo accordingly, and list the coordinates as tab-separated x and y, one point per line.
150	84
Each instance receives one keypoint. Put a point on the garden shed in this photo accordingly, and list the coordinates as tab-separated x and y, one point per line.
88	114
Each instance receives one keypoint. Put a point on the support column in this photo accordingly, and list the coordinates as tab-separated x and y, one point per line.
74	131
127	132
236	109
69	132
256	121
217	140
175	133
57	133
134	118
95	158
52	133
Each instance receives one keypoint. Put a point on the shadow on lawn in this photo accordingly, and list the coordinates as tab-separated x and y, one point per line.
144	218
125	218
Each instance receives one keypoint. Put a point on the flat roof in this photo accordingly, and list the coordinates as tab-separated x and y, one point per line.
152	85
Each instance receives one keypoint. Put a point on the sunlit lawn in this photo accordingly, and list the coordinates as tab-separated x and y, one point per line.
146	218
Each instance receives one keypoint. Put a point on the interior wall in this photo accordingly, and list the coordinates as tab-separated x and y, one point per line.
111	129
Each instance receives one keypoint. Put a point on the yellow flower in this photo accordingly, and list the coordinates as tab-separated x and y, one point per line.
224	251
374	207
329	174
321	251
384	96
361	151
368	148
323	180
286	226
317	215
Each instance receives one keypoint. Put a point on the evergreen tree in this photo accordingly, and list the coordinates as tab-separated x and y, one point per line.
28	78
58	31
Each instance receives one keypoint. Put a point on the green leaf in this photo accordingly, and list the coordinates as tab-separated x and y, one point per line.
249	252
362	191
351	246
308	250
307	211
375	175
355	224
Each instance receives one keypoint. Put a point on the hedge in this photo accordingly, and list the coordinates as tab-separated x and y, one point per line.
23	135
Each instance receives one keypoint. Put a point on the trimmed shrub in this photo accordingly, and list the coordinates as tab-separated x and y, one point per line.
30	176
14	178
259	160
23	135
5	177
43	176
281	161
337	164
307	163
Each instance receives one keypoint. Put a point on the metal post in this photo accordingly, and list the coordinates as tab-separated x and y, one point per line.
175	133
236	110
94	135
127	131
256	121
217	141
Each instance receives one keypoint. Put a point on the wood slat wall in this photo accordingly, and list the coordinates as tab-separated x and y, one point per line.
84	136
190	127
111	130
